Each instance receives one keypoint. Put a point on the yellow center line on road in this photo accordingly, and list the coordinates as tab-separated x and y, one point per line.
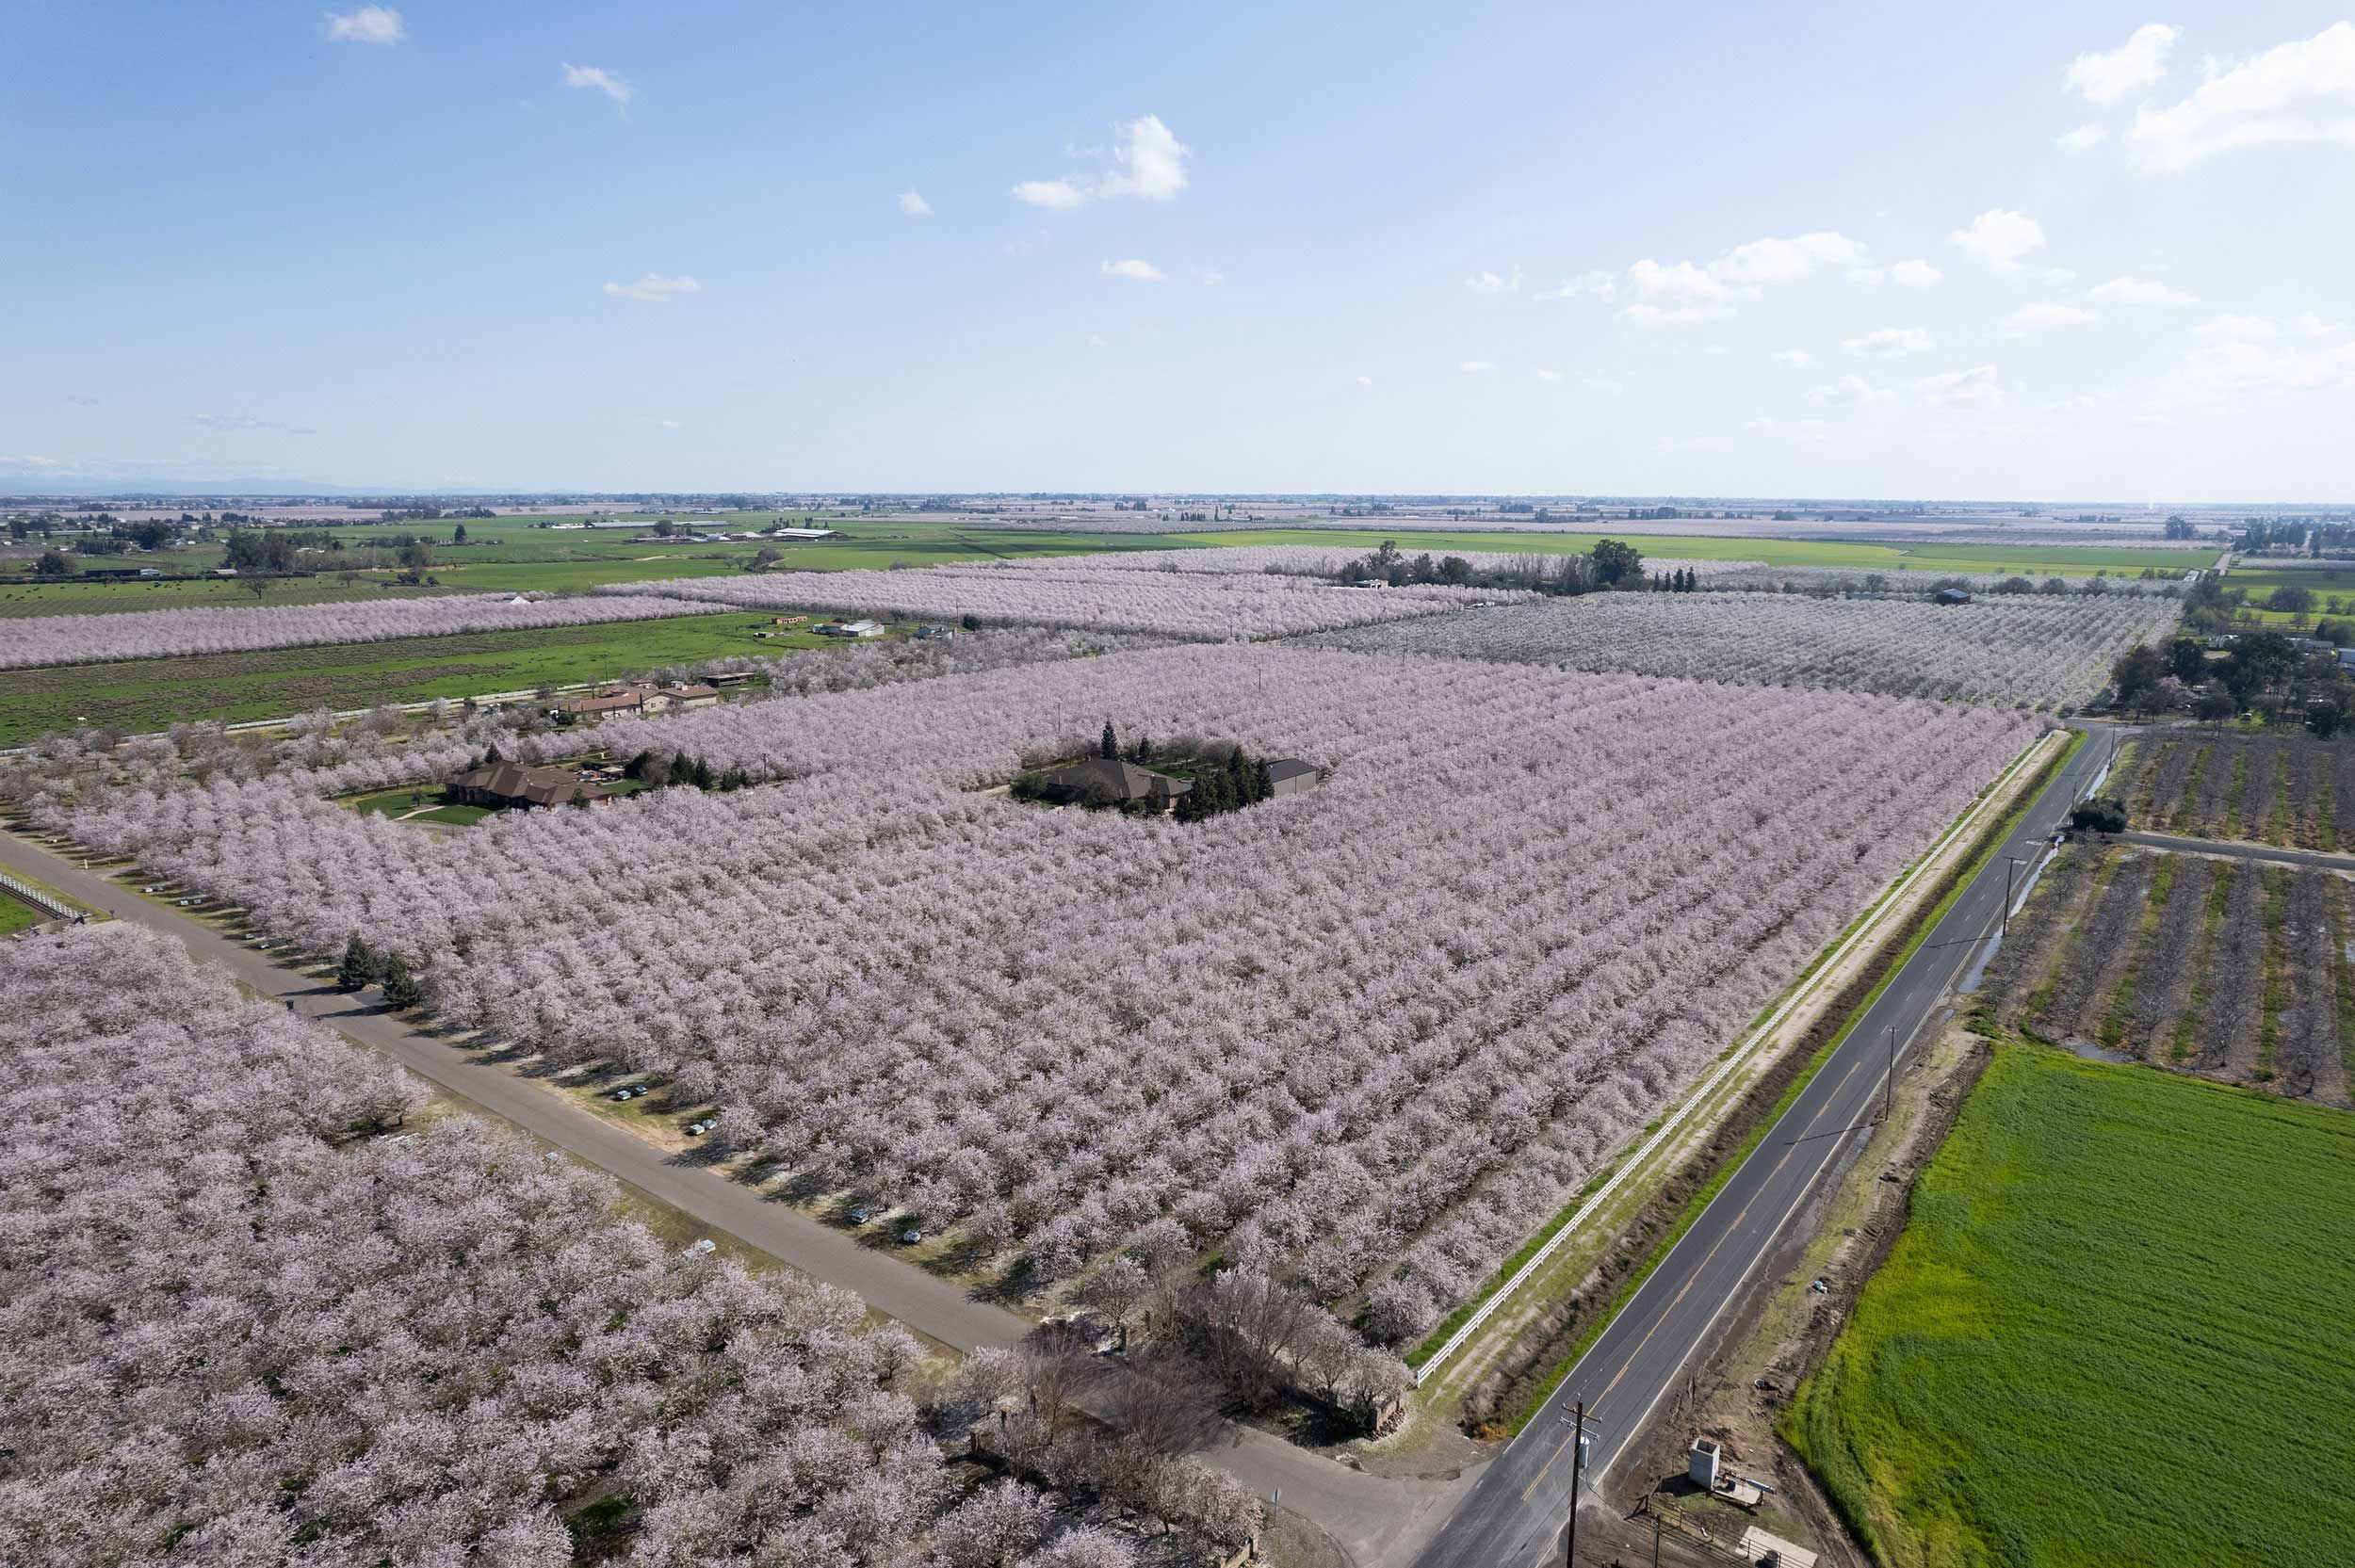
1628	1362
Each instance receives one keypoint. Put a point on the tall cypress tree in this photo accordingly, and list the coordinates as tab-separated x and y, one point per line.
1112	741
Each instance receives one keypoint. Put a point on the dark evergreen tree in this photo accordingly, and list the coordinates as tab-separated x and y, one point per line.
1112	741
1262	785
359	965
400	986
635	766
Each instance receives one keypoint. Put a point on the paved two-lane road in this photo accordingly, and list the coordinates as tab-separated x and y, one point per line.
1514	1516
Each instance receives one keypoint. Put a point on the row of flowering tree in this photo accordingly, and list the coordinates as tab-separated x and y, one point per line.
2033	652
50	640
1381	1029
1200	606
234	1327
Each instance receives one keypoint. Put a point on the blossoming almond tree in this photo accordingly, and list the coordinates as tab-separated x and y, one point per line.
1373	1033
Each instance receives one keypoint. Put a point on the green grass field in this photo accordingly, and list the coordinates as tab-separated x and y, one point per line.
151	694
17	915
2027	560
515	552
2115	1331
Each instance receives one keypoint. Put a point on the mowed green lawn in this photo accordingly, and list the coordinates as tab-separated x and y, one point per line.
17	915
151	694
2027	560
2116	1331
102	598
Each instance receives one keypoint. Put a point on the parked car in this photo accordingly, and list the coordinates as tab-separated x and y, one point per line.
629	1091
153	887
911	1235
187	904
696	1129
859	1216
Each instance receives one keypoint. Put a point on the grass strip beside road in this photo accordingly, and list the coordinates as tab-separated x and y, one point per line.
1885	969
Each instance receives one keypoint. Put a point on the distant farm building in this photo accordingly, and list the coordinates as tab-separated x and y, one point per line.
1950	596
847	629
1291	776
511	783
637	698
1108	782
802	533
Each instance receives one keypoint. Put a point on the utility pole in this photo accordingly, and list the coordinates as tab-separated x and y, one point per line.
1578	1477
2011	863
1889	1085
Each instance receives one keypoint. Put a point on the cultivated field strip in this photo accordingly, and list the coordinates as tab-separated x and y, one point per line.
2032	652
60	639
2293	790
1196	607
1378	1031
2232	969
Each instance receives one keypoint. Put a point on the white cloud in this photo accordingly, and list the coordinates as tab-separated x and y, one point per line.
2308	323
368	25
1891	340
668	424
2297	92
1209	277
1601	285
1152	166
1785	261
1492	282
2104	78
1849	392
1051	193
1134	270
1549	375
1976	387
1999	237
602	80
1798	358
2080	138
2036	318
1096	340
1365	380
913	204
1680	315
1152	163
1914	274
1683	281
654	289
1698	293
2137	291
1475	367
2237	328
2235	356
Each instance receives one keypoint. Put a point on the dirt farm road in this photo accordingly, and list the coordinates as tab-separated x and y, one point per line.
1377	1522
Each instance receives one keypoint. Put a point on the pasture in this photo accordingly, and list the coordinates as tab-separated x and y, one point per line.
2113	1327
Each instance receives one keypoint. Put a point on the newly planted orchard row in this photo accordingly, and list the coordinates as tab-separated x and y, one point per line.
2230	969
2293	790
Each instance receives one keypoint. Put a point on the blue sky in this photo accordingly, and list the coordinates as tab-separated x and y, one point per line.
1477	248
